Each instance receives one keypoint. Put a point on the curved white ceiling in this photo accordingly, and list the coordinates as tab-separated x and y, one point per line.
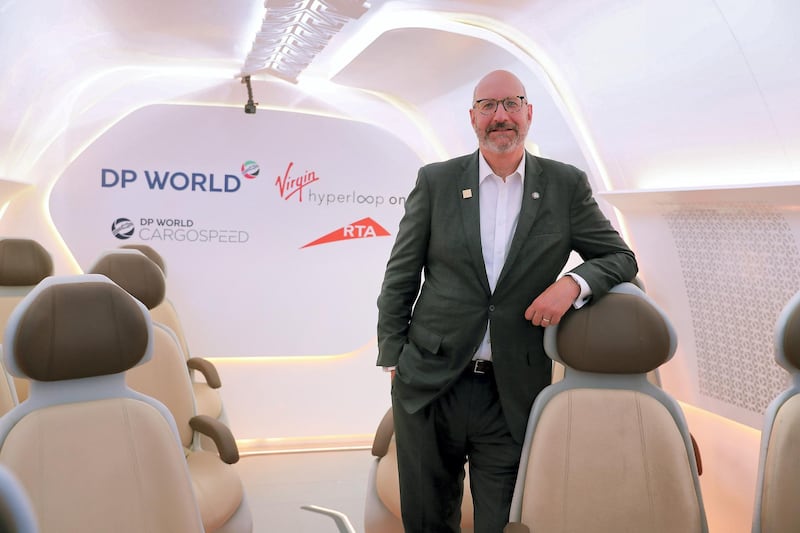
670	94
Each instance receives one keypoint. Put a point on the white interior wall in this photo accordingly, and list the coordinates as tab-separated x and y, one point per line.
676	95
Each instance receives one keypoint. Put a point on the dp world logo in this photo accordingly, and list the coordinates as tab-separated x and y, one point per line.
122	228
250	169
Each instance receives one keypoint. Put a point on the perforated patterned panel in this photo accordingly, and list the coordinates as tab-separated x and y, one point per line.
740	267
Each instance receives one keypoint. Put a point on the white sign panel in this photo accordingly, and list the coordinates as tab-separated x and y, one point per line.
275	227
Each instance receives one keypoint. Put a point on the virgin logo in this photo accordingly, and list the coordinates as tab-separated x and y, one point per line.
289	186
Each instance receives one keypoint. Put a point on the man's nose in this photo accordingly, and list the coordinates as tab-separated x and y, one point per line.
500	114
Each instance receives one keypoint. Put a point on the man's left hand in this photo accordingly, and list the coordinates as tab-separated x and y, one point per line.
548	308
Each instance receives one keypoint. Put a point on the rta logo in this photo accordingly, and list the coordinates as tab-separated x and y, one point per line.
360	229
122	228
289	186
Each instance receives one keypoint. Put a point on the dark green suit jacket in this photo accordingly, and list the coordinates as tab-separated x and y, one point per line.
431	333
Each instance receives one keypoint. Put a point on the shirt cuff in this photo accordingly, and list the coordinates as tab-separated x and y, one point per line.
586	291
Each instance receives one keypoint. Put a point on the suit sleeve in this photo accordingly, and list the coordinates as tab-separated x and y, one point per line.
608	260
401	282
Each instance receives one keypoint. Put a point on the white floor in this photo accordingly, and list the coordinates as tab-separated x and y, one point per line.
278	485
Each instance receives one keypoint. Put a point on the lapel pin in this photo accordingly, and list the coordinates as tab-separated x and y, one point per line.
466	193
535	195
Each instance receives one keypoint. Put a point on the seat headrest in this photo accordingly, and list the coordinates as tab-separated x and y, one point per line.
150	253
71	327
624	332
787	335
134	272
23	262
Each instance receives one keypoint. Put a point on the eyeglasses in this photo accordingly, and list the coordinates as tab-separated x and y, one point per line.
488	106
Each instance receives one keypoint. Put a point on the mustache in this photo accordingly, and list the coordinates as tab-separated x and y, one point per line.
502	126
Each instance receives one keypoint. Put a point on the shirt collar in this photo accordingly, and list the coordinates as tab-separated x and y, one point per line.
484	170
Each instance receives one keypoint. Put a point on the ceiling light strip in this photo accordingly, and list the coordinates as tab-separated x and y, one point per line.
294	32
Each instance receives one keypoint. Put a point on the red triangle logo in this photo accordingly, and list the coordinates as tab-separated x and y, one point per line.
360	229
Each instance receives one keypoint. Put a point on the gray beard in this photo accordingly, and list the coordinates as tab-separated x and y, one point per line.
502	149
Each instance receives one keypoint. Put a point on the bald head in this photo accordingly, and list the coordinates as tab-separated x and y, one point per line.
499	80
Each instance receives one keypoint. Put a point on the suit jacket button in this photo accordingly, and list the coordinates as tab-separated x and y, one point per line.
491	308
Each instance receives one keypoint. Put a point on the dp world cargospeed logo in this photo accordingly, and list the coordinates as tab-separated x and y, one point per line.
122	228
250	169
177	230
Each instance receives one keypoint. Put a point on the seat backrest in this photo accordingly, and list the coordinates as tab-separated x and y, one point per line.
778	481
165	312
23	264
16	510
221	497
94	455
166	376
204	375
606	450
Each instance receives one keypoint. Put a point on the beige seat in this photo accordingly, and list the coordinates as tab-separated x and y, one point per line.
94	455
778	482
206	390
382	507
219	490
16	509
653	377
605	450
23	264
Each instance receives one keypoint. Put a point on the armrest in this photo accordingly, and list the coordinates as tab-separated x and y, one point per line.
697	457
516	527
220	434
383	435
206	368
342	522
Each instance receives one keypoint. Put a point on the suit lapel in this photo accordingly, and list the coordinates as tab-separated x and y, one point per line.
470	215
534	187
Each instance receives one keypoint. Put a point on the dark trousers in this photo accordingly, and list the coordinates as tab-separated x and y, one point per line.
466	422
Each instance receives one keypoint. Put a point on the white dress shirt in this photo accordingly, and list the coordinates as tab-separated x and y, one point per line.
500	204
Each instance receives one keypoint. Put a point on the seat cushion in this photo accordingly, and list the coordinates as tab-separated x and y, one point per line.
217	487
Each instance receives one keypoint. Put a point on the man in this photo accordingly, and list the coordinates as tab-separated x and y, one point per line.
491	231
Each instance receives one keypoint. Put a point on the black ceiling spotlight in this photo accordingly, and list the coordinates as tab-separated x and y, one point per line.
250	106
